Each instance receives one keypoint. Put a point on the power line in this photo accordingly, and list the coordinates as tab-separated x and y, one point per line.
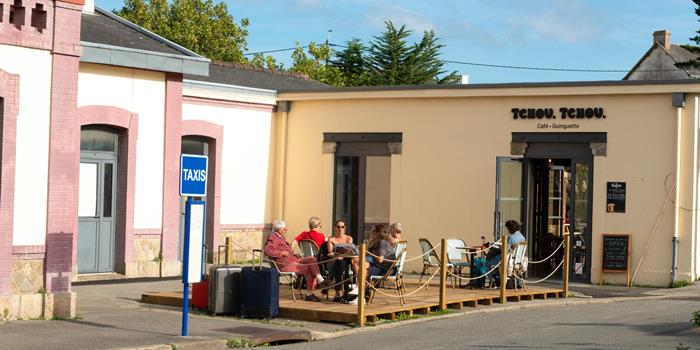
489	65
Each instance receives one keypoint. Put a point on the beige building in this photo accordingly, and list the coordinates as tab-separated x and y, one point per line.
589	158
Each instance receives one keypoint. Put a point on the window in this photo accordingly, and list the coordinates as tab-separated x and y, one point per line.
98	139
39	17
17	13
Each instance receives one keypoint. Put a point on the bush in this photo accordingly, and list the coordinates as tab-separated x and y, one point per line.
696	319
237	343
680	284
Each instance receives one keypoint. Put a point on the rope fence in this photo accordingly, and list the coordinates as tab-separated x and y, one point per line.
370	285
475	278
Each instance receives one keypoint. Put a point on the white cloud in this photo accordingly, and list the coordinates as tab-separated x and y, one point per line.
413	20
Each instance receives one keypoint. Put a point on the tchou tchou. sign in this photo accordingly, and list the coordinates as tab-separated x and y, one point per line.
561	113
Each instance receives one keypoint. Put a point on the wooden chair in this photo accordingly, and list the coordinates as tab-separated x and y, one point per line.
394	274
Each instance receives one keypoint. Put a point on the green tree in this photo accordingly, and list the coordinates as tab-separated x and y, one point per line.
316	65
693	48
352	64
393	62
202	26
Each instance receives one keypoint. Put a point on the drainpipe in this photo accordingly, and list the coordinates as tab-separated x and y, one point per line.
679	103
283	106
693	267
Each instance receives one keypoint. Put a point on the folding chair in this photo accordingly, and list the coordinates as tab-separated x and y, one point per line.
291	277
517	264
394	274
431	260
454	257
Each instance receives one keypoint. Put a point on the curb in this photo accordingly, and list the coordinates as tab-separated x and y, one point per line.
317	335
208	344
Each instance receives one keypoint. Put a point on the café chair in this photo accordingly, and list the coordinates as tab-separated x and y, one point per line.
455	252
394	274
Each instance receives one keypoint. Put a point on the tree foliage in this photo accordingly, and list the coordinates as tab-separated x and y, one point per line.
315	64
388	60
693	48
202	26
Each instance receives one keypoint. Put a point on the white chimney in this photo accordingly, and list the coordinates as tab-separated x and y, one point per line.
464	79
89	6
663	37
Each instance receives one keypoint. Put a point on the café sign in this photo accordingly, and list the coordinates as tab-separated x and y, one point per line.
561	113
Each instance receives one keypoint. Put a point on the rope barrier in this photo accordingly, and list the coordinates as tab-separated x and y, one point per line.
547	258
542	280
474	278
408	259
405	294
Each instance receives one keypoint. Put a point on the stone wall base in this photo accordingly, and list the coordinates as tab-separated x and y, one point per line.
153	269
38	306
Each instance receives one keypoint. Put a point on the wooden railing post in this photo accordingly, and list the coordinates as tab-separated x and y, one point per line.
565	271
229	251
361	319
504	266
443	273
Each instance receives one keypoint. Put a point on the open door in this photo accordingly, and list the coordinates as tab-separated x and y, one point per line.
509	193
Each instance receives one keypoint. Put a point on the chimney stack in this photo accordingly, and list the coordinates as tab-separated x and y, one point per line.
663	37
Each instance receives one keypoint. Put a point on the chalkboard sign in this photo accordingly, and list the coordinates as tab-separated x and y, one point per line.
616	254
617	196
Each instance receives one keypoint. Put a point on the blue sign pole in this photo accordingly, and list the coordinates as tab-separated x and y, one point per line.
193	183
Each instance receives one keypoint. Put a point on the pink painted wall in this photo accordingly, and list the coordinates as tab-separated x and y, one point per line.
9	91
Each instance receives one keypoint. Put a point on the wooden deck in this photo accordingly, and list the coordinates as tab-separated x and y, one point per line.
382	307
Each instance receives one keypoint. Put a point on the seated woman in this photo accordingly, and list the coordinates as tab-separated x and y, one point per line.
380	245
395	232
339	266
514	236
279	250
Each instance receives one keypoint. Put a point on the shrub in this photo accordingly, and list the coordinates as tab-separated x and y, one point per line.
237	343
696	319
680	284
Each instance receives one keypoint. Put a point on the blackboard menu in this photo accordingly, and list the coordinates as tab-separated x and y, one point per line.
617	196
616	252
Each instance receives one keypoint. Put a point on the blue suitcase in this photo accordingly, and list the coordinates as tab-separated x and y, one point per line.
260	291
478	268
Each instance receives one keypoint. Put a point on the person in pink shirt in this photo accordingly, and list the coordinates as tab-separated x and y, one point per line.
280	251
313	233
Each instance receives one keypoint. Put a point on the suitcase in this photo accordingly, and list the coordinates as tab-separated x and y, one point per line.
200	294
260	291
478	268
225	290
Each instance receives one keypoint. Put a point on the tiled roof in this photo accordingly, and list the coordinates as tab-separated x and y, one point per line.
256	77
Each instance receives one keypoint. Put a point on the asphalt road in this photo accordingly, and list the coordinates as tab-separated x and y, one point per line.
651	324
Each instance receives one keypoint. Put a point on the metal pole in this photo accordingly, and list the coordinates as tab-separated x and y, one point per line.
443	273
185	307
504	266
229	251
361	319
565	273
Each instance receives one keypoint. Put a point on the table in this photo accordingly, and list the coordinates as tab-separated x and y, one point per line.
346	262
471	252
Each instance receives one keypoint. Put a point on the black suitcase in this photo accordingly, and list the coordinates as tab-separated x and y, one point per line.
260	291
225	290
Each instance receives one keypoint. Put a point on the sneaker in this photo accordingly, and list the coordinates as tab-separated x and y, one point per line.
312	297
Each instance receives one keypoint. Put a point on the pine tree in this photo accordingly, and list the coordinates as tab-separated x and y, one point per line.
692	48
351	63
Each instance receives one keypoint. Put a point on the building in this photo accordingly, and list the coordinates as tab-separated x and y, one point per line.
96	111
458	161
659	62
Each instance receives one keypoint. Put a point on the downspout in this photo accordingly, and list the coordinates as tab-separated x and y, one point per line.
283	106
679	103
693	267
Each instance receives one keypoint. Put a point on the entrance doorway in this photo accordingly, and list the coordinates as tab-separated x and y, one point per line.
362	174
96	205
550	191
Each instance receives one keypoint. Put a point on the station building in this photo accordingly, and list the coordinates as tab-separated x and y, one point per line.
96	111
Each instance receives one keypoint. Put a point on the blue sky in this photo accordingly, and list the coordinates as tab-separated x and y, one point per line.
593	34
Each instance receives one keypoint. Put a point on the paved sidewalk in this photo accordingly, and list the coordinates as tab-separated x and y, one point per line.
111	316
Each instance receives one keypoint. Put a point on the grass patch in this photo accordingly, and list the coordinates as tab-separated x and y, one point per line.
57	318
278	322
441	312
680	284
240	342
696	319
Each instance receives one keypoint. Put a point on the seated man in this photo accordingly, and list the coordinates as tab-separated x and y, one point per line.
514	237
279	250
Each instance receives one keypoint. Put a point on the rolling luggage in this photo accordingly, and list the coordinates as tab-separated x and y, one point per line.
225	290
200	294
478	268
260	291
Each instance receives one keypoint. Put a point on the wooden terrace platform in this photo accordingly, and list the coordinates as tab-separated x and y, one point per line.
382	307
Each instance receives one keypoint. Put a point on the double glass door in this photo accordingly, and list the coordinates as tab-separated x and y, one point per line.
549	197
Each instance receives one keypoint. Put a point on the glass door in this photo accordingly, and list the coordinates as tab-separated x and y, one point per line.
347	194
509	193
581	224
